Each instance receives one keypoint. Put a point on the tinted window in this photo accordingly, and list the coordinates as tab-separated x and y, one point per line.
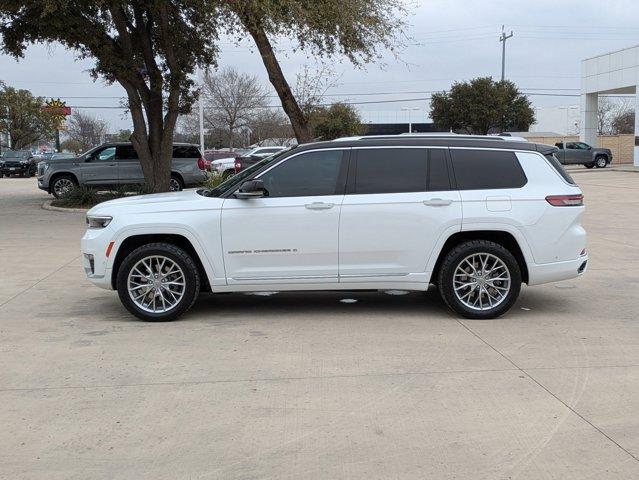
485	169
559	168
391	170
182	151
308	174
126	152
438	178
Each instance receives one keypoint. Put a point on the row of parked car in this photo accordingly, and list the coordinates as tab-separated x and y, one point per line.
113	164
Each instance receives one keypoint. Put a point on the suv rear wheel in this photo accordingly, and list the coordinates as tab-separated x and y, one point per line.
175	184
158	282
479	279
601	162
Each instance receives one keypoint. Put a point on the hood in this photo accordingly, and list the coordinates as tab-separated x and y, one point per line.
157	203
68	159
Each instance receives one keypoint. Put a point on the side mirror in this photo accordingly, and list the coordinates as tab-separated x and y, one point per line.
251	189
589	147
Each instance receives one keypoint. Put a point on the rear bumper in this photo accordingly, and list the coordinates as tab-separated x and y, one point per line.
556	271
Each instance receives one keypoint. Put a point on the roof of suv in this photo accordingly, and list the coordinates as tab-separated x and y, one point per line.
432	141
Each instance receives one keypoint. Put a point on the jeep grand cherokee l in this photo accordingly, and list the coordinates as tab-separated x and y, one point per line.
115	164
475	216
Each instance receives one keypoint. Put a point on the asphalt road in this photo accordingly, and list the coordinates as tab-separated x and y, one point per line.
303	386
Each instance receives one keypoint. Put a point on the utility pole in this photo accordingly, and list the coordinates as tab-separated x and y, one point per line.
201	110
503	39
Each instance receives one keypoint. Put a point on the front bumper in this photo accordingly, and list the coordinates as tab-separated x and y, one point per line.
15	169
97	266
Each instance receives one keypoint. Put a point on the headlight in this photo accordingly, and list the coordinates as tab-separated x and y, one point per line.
98	221
24	162
43	166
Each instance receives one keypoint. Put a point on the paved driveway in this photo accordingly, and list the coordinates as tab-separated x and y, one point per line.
301	386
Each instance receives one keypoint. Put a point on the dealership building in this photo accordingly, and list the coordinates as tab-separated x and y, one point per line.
611	73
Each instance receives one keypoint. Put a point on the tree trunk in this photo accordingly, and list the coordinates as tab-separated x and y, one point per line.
299	122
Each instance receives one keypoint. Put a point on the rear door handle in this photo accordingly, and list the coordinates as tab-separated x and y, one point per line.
319	206
437	202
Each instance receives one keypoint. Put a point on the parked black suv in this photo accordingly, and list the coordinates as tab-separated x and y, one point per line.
17	162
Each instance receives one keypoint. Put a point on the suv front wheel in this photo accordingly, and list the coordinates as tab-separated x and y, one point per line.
158	282
479	279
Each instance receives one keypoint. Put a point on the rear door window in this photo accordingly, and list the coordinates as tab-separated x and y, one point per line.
126	152
487	169
391	170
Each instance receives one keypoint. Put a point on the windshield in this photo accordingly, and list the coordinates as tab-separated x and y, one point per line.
235	180
15	154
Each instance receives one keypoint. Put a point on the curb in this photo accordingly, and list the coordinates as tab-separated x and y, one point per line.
47	206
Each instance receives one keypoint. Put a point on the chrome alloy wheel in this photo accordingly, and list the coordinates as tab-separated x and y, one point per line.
156	284
62	186
482	281
174	185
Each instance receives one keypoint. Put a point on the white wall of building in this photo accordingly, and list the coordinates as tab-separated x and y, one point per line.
564	119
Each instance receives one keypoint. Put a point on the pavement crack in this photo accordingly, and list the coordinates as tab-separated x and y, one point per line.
542	386
39	281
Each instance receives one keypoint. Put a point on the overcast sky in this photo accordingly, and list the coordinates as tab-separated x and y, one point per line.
452	41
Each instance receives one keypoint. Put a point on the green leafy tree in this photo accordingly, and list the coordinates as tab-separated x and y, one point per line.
23	118
482	106
151	48
356	29
338	120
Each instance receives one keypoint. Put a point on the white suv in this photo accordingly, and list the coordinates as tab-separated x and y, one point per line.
474	216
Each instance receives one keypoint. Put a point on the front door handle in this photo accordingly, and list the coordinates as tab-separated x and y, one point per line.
319	206
437	202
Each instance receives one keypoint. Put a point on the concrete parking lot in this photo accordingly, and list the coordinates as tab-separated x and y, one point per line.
302	386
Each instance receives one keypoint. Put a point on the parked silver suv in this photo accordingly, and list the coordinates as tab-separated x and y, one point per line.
114	164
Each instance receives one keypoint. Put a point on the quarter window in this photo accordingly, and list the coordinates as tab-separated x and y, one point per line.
307	174
487	169
182	151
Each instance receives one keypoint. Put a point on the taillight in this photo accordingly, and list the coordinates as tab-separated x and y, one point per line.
565	200
238	166
201	163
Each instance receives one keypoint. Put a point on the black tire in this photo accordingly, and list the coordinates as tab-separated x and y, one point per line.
457	255
177	185
601	161
61	178
177	255
589	165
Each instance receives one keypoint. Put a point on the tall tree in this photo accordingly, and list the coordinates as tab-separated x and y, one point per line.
151	48
232	98
269	124
357	29
86	130
338	120
482	106
624	122
23	118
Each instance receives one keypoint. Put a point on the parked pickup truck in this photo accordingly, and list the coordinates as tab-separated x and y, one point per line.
580	153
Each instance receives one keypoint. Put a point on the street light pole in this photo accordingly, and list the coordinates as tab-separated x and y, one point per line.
410	109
